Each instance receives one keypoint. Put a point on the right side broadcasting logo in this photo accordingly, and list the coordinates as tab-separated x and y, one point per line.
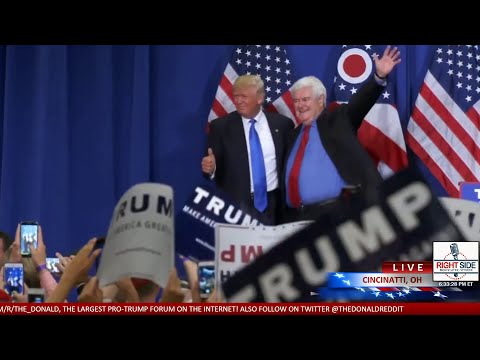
456	261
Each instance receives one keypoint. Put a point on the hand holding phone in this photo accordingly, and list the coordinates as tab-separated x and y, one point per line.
28	236
206	278
13	278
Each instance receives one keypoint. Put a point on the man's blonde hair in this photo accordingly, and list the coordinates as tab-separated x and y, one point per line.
250	80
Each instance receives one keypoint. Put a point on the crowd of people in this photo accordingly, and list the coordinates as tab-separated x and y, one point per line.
76	275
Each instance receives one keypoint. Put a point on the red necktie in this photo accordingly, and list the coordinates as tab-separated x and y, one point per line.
293	191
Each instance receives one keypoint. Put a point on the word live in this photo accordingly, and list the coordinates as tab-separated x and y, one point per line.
414	267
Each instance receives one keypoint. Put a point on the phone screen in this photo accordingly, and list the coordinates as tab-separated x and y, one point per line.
28	236
13	277
36	295
51	265
206	278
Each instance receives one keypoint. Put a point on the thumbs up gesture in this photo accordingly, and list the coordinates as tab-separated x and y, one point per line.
208	162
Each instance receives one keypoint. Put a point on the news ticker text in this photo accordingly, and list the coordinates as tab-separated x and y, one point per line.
357	308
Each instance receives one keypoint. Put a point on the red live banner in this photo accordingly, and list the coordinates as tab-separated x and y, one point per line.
354	308
415	267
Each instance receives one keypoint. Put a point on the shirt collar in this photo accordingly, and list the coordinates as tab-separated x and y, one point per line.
260	117
313	125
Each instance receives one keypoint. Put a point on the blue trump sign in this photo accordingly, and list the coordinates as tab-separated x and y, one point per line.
470	191
195	235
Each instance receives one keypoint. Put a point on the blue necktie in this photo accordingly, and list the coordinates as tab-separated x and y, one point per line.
258	170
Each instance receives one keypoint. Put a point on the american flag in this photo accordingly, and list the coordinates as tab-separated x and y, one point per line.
381	133
444	128
272	64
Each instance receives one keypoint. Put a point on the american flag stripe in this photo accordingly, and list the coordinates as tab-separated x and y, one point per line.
387	120
426	151
222	104
385	289
428	289
284	106
474	114
230	74
373	137
217	110
226	86
444	128
212	115
384	170
453	149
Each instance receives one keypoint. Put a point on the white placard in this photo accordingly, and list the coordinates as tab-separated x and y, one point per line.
466	214
237	245
140	240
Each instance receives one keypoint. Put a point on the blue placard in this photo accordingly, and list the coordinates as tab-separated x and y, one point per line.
195	223
470	191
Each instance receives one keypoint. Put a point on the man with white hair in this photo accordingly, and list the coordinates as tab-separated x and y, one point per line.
324	154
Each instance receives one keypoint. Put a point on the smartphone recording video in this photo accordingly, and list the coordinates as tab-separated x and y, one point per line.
36	295
52	265
13	278
28	236
99	244
206	278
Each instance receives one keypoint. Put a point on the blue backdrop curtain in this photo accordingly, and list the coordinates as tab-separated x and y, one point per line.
81	124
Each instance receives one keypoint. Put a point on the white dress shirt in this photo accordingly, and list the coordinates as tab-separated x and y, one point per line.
268	149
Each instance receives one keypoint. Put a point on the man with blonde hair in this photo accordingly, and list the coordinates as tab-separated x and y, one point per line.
246	150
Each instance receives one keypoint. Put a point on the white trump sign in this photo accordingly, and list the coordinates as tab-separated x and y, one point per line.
140	241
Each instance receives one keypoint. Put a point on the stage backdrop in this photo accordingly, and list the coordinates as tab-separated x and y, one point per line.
82	124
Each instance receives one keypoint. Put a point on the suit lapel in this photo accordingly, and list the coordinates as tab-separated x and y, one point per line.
326	137
241	144
277	142
292	138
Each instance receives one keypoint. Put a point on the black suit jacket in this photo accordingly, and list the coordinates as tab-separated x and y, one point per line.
338	133
229	145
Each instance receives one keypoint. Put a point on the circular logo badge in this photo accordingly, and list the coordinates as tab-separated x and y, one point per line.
354	66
